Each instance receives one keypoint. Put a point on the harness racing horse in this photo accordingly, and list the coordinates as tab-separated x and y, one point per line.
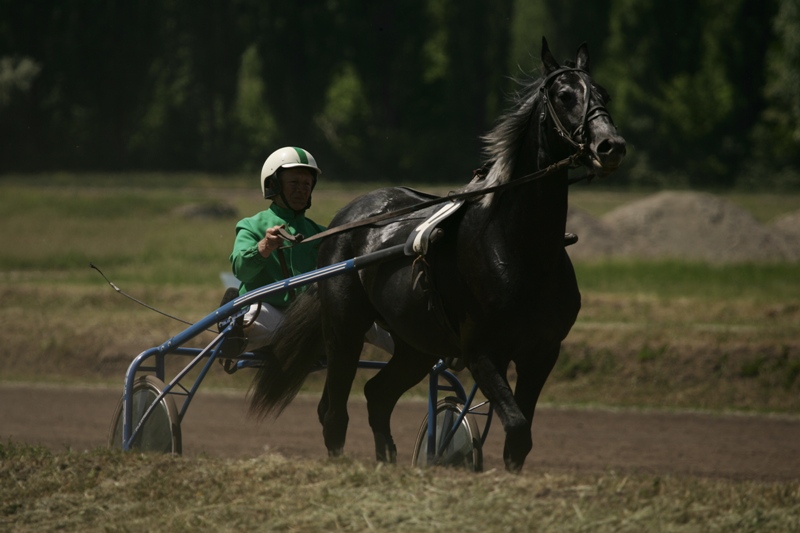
503	286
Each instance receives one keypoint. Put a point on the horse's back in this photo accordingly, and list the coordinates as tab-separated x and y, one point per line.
381	201
381	234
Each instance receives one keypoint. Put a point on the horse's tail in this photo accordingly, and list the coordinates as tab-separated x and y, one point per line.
296	349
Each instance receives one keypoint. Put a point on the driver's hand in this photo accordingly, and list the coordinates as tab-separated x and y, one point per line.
272	241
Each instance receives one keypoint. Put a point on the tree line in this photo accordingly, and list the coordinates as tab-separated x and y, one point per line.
705	91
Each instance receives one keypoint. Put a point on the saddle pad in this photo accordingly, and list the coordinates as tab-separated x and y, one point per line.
419	239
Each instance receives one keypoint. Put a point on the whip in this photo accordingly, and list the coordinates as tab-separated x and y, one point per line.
128	296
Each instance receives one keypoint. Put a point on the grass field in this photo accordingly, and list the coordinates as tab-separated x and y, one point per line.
686	334
651	334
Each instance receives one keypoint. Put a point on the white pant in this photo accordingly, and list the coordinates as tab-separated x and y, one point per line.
263	319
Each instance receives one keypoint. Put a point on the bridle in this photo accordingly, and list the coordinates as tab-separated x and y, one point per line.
575	138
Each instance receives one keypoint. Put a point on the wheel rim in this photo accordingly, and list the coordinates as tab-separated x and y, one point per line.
161	431
463	450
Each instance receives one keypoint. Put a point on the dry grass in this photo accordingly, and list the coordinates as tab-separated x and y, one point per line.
628	350
635	350
697	342
110	491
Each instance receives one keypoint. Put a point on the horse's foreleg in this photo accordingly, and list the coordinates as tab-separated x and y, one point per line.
532	373
495	386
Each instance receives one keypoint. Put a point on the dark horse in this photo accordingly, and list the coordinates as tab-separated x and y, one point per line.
505	287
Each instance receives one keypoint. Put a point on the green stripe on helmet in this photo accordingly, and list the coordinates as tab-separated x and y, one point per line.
301	154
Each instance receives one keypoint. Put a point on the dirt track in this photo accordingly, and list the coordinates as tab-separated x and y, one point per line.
571	440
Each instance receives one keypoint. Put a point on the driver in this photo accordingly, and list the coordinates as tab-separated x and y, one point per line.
288	178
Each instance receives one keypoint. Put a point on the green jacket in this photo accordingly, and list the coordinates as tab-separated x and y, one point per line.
255	271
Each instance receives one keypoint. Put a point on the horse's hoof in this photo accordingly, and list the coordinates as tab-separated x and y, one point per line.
518	446
336	453
385	449
513	467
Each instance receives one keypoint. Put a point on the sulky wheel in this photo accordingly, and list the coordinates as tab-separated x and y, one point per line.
161	432
463	450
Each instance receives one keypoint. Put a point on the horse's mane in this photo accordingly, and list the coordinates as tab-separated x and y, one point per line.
502	143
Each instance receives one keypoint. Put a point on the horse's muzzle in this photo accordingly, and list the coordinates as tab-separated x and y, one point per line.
607	154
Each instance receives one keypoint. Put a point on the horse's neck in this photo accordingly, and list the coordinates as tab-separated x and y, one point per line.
535	214
531	218
543	203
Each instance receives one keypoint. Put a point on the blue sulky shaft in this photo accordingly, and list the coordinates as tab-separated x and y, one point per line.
226	311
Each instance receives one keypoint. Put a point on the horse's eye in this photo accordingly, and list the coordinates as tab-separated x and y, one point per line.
567	98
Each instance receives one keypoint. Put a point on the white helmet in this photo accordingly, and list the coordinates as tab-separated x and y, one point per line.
286	157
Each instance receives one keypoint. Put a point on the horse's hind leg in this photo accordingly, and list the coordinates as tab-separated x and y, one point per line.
322	407
333	406
406	368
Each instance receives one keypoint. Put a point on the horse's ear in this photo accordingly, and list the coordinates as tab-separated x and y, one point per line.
583	58
549	62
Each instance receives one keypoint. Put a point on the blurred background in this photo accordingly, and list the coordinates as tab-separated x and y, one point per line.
705	91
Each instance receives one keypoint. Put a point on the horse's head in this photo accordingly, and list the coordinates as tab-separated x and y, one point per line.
575	106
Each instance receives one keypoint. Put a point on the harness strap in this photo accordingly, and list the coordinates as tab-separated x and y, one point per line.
286	273
539	174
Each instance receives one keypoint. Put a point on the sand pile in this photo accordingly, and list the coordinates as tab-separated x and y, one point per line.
596	239
685	225
788	226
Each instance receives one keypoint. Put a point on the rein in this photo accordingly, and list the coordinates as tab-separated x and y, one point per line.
589	114
555	167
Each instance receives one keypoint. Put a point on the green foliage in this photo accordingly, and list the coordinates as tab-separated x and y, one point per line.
531	22
704	91
257	125
777	135
345	112
687	80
